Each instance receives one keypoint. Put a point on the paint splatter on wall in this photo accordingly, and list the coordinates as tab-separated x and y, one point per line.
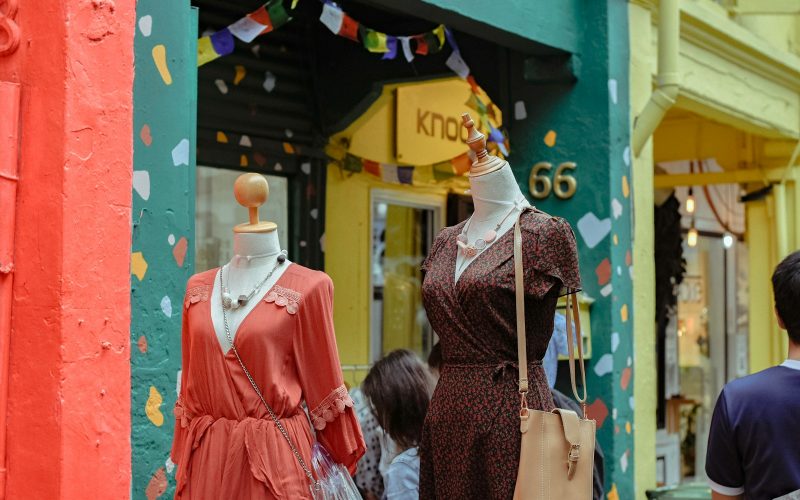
162	256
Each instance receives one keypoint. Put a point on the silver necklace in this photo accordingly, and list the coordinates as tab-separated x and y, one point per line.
242	300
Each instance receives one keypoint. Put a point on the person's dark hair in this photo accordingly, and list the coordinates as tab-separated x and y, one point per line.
786	286
435	357
399	389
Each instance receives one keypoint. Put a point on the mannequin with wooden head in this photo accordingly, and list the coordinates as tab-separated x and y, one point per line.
495	193
255	252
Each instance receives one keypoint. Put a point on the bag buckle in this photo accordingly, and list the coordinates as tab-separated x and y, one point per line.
574	456
523	403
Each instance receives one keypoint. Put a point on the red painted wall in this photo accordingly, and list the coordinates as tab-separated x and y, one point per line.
69	390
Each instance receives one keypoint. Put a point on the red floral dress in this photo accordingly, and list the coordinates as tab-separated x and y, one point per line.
471	439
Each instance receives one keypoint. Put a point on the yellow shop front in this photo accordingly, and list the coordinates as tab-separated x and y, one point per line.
394	180
721	177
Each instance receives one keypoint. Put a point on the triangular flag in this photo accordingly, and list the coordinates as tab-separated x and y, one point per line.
391	46
261	16
457	64
372	167
349	28
389	173
375	41
473	84
250	26
439	32
277	14
406	42
205	51
422	45
222	41
352	163
405	175
332	17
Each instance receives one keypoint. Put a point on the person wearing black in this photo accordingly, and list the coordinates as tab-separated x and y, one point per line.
563	401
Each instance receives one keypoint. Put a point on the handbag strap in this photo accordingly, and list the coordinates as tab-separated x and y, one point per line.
278	423
522	353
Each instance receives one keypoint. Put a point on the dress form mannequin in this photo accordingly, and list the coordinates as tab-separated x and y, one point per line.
256	249
495	194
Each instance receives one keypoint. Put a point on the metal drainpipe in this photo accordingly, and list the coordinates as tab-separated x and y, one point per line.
9	143
663	97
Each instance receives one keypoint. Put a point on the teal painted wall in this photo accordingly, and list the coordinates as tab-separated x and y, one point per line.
590	121
550	22
164	123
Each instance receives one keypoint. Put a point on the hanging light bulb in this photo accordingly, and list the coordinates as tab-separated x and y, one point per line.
727	240
691	238
690	205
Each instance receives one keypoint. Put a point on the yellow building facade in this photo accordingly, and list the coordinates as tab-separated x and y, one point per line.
738	108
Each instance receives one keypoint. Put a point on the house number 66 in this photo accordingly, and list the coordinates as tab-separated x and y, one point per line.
563	184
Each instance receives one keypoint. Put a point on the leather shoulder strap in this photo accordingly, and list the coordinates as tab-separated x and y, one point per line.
572	315
519	290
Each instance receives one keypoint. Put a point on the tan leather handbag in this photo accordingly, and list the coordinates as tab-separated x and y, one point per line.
557	454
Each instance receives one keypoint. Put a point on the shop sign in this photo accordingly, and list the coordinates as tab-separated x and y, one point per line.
428	121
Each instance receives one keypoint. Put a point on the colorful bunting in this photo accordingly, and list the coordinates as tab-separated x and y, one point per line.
268	17
339	23
335	19
405	174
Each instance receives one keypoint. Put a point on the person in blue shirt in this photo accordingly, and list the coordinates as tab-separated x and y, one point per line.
558	345
754	442
399	388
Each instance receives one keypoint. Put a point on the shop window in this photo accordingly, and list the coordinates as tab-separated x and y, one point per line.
403	229
217	212
704	345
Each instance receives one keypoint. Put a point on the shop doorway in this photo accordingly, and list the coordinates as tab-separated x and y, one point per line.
403	227
702	315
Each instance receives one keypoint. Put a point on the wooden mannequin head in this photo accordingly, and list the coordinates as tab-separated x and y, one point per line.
251	191
485	163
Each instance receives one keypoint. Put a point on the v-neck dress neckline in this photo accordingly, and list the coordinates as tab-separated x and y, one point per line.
458	229
218	272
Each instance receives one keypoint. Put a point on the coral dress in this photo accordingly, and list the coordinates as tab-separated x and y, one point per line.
226	446
471	440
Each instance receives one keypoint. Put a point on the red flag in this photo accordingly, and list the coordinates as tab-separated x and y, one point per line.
422	45
349	28
372	167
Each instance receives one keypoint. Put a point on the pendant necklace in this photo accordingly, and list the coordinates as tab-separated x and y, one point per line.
471	250
242	300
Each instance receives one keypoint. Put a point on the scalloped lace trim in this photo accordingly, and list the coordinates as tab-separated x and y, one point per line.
331	407
197	294
285	297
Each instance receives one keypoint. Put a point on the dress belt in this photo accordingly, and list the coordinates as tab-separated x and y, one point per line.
499	368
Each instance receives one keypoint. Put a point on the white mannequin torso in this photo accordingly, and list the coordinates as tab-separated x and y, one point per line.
494	195
241	275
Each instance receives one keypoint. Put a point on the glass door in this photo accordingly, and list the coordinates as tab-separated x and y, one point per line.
403	227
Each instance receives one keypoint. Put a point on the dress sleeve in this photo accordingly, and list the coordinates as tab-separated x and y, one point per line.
317	359
180	415
550	256
435	246
723	463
